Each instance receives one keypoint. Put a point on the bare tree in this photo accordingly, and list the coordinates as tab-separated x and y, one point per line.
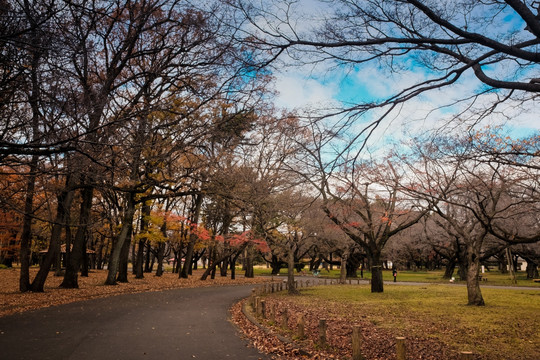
475	202
495	42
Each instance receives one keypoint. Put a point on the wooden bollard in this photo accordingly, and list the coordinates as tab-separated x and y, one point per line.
257	306
285	319
350	281
263	309
357	281
300	327
322	332
273	288
252	299
356	344
324	281
401	352
466	355
273	313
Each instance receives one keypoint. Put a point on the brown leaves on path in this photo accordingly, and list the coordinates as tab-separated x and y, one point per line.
91	287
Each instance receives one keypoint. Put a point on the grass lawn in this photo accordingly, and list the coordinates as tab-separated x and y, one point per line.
493	277
508	327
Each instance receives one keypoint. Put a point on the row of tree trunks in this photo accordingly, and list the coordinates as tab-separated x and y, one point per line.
123	238
145	215
64	200
196	210
75	255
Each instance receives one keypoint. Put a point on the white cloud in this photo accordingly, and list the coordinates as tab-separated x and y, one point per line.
297	91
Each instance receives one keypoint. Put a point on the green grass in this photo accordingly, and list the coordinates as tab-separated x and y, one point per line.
508	327
493	277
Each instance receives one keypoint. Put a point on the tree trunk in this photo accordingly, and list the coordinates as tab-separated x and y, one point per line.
511	265
160	255
75	256
353	264
233	268
249	273
474	294
343	269
224	265
148	259
186	269
212	264
123	237
462	269
36	52
532	269
234	258
449	270
26	235
139	259
99	253
84	260
377	285
124	261
64	201
290	273
275	264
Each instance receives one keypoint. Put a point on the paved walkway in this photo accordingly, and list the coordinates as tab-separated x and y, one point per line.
176	324
320	280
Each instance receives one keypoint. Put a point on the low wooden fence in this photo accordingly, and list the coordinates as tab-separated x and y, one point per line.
260	309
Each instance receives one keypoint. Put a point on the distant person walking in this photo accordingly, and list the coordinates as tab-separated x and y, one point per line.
394	273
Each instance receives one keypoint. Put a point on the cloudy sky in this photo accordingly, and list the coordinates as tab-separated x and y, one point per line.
302	87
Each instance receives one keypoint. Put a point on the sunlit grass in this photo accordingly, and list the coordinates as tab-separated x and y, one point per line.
436	276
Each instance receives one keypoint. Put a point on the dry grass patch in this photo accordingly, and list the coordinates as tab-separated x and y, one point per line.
433	318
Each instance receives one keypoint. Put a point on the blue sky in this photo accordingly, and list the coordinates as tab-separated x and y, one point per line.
317	87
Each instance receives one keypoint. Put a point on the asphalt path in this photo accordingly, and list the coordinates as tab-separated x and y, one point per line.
175	324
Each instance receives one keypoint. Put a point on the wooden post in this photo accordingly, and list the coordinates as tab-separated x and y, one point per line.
324	281
273	313
252	299
257	306
401	353
300	328
285	319
263	309
466	355
356	343
273	290
322	332
350	281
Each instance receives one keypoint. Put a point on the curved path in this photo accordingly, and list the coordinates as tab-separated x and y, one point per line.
174	324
